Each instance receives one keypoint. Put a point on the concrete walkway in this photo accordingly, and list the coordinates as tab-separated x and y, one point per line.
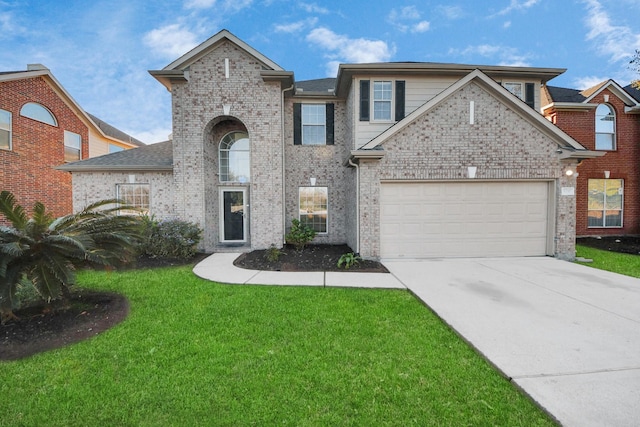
567	334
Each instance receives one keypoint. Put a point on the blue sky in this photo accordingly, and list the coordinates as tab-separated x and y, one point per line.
101	50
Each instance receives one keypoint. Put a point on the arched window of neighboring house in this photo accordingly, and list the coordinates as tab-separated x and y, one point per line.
38	112
605	128
234	155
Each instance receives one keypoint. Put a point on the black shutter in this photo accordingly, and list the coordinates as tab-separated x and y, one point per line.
330	121
297	124
399	100
530	94
364	100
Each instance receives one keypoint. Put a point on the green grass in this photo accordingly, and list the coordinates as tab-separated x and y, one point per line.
195	353
626	264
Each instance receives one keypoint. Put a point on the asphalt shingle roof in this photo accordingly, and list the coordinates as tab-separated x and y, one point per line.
114	132
148	157
317	85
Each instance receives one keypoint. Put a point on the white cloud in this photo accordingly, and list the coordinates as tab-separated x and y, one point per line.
199	4
295	27
588	81
615	41
405	19
170	41
341	48
518	5
507	24
502	55
313	8
451	12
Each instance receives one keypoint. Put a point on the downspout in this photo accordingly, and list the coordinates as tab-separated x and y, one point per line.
284	192
355	165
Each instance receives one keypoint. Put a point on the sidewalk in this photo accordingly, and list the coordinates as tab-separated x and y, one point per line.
219	268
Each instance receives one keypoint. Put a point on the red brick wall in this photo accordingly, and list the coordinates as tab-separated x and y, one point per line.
623	163
27	169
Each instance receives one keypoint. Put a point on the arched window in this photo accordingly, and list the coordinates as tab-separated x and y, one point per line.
234	155
38	112
605	128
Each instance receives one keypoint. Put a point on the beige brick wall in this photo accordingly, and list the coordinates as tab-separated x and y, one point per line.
198	113
91	187
441	144
326	164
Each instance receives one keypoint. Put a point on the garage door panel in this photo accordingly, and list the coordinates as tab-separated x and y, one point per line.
422	220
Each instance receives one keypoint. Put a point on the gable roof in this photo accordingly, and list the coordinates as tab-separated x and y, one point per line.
102	128
571	148
573	99
178	68
153	157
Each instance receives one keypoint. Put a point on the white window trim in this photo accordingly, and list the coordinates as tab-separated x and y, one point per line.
323	233
9	129
131	184
229	151
614	141
604	210
67	132
245	217
302	124
521	84
372	116
53	117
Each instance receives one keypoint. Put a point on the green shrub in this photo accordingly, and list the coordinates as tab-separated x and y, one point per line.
171	238
348	260
299	234
273	254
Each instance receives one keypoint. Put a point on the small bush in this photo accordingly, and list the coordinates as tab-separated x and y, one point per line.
299	234
348	260
273	254
171	238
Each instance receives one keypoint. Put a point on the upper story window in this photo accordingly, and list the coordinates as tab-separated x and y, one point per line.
72	146
38	112
605	128
234	155
524	91
382	101
114	148
313	124
5	130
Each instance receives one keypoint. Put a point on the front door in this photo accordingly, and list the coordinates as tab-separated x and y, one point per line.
233	216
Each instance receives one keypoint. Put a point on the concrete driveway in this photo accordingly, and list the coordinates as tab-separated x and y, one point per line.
567	334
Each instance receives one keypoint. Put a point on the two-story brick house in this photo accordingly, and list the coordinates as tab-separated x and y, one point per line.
398	160
604	118
41	127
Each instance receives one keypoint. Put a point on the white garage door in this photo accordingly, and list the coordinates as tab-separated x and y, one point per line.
479	219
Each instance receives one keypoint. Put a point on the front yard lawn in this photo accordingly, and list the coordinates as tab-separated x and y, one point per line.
194	353
622	263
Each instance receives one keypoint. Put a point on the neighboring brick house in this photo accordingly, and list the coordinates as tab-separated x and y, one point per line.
397	160
604	118
41	127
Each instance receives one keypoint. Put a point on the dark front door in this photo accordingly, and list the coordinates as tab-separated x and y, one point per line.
233	216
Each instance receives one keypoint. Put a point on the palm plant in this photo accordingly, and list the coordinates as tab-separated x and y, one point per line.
45	252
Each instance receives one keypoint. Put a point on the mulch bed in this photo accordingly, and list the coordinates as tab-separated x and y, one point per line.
311	258
622	244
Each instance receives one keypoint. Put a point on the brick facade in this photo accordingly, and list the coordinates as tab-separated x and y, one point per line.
440	146
621	163
199	122
27	170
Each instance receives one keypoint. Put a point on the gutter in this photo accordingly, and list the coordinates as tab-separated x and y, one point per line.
355	165
284	181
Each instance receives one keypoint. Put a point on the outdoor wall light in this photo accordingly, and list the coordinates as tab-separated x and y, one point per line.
471	172
607	174
569	172
313	181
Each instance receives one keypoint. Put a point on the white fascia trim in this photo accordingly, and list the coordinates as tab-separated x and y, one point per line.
569	106
617	89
